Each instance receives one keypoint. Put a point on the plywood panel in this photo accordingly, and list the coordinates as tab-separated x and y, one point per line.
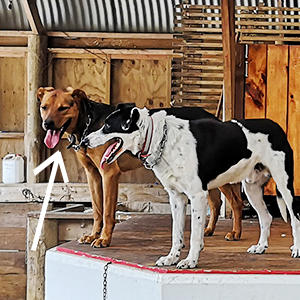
12	93
294	111
10	146
277	87
255	90
90	75
276	103
145	82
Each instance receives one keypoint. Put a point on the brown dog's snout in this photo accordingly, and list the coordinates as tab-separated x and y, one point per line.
48	124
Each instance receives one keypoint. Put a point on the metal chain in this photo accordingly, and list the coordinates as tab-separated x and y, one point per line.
105	280
28	194
160	151
72	137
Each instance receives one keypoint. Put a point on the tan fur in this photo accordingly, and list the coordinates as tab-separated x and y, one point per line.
103	183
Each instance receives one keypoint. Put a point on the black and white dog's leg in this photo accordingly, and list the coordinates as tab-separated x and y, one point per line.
284	183
254	193
198	220
177	202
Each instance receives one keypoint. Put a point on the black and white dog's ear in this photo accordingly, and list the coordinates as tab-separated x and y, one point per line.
122	106
133	118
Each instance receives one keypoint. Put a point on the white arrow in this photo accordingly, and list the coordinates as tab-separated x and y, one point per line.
56	159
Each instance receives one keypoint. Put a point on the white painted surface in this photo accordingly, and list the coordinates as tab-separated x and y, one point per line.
72	277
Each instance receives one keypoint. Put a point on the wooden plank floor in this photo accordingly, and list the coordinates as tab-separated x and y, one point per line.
143	239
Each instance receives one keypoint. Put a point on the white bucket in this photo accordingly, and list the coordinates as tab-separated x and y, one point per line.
12	168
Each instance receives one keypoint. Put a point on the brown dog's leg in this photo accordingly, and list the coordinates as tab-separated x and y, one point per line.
95	186
214	201
110	176
233	193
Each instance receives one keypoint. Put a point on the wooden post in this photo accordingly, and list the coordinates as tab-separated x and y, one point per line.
36	259
239	81
228	37
36	70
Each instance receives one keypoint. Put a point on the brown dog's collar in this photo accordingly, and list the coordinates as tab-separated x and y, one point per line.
72	138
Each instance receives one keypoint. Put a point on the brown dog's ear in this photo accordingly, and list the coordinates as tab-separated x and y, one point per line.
79	94
42	91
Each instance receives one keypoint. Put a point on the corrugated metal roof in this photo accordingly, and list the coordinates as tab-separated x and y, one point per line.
94	15
107	15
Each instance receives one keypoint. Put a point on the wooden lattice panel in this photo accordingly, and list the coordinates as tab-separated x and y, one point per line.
198	75
198	70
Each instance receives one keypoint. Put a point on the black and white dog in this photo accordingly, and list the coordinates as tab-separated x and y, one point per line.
191	157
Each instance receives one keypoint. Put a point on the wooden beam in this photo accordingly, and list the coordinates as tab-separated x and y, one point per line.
36	259
111	35
228	34
33	17
113	53
13	51
36	69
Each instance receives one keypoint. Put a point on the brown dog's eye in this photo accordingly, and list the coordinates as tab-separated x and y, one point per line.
62	108
44	107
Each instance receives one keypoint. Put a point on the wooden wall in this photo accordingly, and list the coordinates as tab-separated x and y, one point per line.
13	245
12	105
145	81
273	91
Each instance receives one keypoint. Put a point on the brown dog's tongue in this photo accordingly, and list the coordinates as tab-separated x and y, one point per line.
52	138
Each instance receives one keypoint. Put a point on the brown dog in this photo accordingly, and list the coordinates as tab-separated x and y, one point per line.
72	112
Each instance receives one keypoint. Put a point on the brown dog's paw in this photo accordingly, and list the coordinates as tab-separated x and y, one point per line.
233	236
88	239
208	231
100	243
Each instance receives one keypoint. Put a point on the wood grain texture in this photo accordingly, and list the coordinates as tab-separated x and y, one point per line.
36	75
36	259
89	75
255	89
294	112
14	214
13	287
143	239
145	82
277	87
12	93
228	37
13	238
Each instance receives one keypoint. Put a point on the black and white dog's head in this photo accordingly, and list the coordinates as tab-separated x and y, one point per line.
125	127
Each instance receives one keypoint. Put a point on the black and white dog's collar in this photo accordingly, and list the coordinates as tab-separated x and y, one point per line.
144	154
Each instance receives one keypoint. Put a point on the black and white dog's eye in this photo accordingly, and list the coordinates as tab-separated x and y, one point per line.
107	126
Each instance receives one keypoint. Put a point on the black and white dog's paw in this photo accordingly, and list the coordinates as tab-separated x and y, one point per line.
295	252
187	264
257	249
168	260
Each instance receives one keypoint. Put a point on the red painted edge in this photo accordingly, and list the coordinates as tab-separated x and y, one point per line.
177	271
